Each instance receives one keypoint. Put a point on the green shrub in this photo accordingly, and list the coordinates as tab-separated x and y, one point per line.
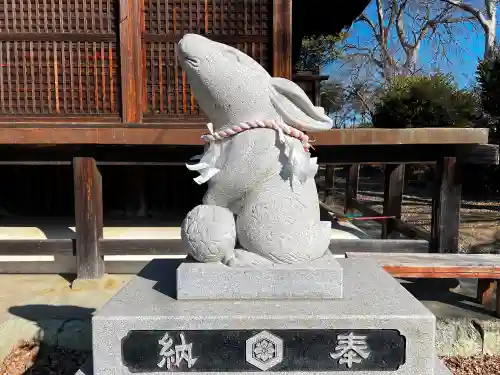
424	102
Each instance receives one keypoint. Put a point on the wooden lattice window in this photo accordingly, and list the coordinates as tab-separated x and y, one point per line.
59	57
244	24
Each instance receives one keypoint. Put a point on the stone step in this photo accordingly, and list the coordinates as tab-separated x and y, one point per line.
397	331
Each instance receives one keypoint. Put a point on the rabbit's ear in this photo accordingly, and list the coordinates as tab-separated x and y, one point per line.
295	107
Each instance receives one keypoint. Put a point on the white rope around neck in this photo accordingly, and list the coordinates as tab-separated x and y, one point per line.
248	125
299	162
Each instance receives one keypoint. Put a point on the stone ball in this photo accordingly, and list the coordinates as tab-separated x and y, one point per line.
209	233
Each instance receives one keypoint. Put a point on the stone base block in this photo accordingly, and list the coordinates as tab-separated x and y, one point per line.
376	328
321	278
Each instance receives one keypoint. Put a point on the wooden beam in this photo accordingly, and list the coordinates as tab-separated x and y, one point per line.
143	247
378	246
406	153
401	136
58	266
176	148
445	222
37	247
393	197
478	154
226	39
476	266
130	32
351	187
176	247
58	37
187	131
120	135
282	38
88	218
442	273
15	121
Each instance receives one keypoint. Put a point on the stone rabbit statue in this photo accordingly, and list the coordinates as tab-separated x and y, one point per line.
261	190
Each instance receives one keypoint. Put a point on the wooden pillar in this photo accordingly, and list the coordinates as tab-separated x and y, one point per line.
88	218
485	290
130	30
446	202
329	184
486	294
497	305
316	97
351	187
393	197
282	38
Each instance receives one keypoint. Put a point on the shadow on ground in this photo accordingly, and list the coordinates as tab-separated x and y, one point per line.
38	313
51	360
65	336
448	297
59	325
492	247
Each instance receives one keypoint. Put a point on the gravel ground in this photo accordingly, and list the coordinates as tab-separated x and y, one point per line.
481	365
479	219
30	359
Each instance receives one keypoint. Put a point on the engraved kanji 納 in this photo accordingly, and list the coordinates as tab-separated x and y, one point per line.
350	349
174	356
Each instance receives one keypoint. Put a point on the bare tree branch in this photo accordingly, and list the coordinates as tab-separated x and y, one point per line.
470	9
397	31
488	24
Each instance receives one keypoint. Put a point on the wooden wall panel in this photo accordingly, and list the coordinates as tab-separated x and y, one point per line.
244	24
58	58
167	89
58	16
78	59
58	78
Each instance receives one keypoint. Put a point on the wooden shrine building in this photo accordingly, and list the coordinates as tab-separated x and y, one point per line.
91	72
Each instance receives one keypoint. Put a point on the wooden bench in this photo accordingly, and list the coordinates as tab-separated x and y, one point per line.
484	267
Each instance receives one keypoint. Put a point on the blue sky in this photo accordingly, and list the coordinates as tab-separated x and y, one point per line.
463	58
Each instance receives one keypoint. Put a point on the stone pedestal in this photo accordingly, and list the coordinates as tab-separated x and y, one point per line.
377	327
321	278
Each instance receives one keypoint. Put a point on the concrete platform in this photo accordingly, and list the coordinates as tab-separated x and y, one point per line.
372	300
